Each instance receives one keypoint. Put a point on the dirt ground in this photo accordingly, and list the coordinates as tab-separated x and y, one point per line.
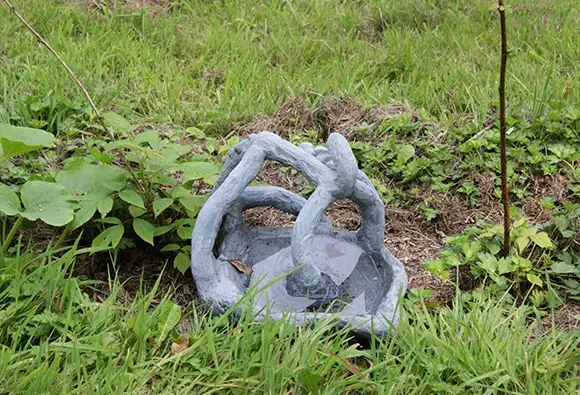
408	234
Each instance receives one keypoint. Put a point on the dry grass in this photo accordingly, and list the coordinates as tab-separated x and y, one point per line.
334	115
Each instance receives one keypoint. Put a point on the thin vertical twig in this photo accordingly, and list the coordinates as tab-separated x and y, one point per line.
81	87
62	62
502	130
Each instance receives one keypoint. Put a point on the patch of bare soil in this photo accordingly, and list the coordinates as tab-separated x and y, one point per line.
152	7
137	271
334	115
566	317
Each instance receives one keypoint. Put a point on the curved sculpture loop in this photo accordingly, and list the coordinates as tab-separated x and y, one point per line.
350	272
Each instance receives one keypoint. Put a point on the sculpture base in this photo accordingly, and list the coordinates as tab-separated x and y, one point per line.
363	280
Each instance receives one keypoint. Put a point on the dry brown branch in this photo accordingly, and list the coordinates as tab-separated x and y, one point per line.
502	129
61	61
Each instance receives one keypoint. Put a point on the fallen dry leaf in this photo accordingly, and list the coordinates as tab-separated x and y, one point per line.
153	343
180	346
238	264
349	365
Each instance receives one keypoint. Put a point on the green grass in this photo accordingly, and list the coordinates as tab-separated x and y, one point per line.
213	64
440	56
56	339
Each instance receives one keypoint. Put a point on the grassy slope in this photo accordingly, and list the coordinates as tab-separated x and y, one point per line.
441	56
54	339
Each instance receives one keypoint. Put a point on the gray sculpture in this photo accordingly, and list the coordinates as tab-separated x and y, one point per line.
320	272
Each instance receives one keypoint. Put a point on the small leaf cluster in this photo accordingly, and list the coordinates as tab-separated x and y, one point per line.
544	260
399	151
133	186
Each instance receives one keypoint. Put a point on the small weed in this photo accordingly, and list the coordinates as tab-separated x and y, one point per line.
542	260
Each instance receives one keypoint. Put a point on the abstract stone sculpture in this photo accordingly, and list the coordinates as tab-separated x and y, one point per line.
321	272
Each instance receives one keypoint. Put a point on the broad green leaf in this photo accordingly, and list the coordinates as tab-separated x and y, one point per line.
164	180
109	238
126	144
103	157
527	232
470	250
195	132
542	240
144	230
568	233
185	232
171	247
132	197
9	202
522	243
161	230
179	192
563	268
504	265
561	222
105	205
99	180
92	185
159	205
182	262
136	211
193	203
492	231
211	180
174	151
83	215
534	279
147	136
197	170
523	264
437	267
405	153
117	122
488	262
493	248
169	317
47	201
184	221
520	222
15	140
109	220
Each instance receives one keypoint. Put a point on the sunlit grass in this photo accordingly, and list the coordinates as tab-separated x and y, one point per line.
56	339
211	63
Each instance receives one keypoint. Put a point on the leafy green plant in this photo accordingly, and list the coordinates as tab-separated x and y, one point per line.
41	200
147	193
135	185
541	261
471	191
430	212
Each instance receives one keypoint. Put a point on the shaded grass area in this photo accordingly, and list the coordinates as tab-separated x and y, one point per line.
209	64
55	339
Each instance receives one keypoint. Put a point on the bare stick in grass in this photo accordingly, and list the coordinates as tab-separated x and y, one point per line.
502	130
82	88
62	62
